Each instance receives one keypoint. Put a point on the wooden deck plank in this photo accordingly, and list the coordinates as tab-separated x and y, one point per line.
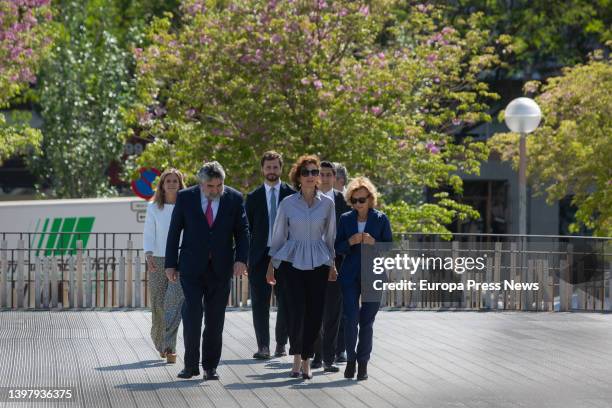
420	359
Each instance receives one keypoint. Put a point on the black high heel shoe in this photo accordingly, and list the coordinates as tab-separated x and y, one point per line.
305	363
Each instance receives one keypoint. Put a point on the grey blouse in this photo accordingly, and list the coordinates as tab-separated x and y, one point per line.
304	236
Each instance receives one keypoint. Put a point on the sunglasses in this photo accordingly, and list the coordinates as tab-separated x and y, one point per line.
306	172
360	200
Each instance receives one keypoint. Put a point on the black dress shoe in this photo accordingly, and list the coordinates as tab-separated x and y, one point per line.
330	368
362	371
295	374
349	370
211	374
280	351
262	354
307	376
341	357
188	373
315	363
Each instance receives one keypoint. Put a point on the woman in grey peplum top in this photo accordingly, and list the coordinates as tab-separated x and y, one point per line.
302	248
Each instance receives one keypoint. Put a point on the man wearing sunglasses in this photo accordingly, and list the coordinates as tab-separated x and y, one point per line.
330	343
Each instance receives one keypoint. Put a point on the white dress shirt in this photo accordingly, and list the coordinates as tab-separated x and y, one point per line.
331	194
157	223
269	188
214	205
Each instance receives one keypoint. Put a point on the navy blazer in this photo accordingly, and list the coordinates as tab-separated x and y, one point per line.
257	215
377	225
341	205
200	240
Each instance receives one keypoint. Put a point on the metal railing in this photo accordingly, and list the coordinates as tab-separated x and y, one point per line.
573	273
109	273
107	270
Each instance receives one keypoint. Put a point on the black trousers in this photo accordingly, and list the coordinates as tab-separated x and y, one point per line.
330	341
205	295
261	292
305	288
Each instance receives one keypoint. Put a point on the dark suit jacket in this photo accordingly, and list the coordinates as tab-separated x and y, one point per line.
377	225
341	205
257	215
200	240
341	208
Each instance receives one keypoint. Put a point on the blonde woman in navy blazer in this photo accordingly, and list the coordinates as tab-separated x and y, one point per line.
361	226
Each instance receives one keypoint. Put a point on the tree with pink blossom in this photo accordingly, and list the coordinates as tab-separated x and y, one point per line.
25	37
346	80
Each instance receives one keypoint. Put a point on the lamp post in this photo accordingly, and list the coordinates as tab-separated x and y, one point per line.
522	116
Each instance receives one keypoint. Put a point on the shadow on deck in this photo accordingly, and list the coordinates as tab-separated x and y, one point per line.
420	359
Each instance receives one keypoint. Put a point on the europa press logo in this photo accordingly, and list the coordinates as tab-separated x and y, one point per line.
395	273
143	186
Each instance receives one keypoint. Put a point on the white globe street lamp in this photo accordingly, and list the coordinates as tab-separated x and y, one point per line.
522	116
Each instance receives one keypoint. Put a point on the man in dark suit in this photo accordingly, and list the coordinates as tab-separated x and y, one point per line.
330	344
212	218
261	205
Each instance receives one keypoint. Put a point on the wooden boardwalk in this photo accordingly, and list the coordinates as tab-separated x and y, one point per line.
421	359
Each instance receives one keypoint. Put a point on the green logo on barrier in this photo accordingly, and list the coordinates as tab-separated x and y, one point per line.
63	235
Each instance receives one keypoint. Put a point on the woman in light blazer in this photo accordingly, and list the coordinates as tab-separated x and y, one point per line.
166	297
361	226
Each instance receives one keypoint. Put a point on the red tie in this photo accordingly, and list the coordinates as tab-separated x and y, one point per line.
209	214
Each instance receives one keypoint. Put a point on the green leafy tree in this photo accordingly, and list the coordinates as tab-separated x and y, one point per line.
545	34
125	19
571	152
25	38
317	77
84	84
87	81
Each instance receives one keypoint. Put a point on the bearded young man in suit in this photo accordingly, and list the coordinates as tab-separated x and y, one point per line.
261	206
212	219
329	347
